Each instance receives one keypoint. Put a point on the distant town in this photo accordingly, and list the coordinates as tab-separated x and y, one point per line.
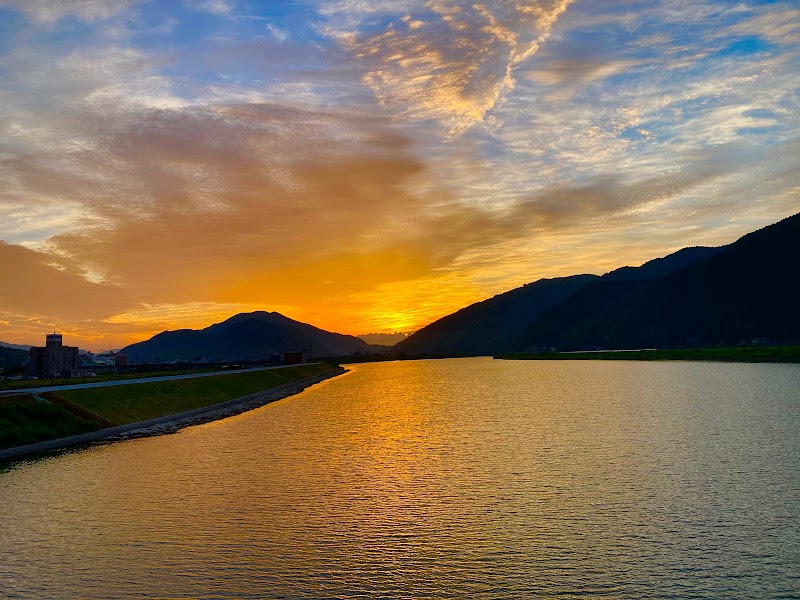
54	360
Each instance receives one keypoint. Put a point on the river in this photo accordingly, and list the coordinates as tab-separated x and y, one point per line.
463	478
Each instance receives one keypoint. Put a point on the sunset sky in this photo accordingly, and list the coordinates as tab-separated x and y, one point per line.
369	166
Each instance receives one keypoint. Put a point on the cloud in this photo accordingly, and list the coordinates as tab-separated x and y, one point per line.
37	283
215	7
180	200
456	66
459	230
779	26
48	11
186	315
567	76
278	33
208	206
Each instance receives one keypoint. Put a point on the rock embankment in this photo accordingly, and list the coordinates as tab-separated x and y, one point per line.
231	408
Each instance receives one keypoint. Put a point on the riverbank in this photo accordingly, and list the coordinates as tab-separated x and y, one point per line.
170	423
139	401
777	354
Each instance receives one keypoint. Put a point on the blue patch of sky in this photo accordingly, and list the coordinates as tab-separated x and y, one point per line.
753	131
746	46
191	28
231	48
761	113
70	35
10	24
633	133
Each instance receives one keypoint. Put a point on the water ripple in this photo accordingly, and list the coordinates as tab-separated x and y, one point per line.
436	479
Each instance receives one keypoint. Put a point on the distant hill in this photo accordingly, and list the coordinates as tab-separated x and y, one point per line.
383	339
246	336
24	347
12	357
493	325
747	290
380	349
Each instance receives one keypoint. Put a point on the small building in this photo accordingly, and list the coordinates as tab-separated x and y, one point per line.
295	356
54	359
121	360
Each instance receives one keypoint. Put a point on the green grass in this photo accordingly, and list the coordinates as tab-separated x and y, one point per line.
17	400
131	403
23	420
737	354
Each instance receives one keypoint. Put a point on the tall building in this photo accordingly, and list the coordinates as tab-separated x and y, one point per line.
54	359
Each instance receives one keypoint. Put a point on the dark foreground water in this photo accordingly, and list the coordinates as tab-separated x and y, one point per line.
458	478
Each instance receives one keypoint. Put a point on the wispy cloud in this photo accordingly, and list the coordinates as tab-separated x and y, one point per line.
779	26
278	33
48	12
215	7
455	64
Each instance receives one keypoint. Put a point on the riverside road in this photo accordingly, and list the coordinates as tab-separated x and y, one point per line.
81	386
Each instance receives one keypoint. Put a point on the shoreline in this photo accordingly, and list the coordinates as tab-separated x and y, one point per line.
171	423
743	354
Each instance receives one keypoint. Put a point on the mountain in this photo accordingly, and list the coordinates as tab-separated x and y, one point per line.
383	339
12	357
743	291
595	307
380	349
246	336
493	325
24	347
661	267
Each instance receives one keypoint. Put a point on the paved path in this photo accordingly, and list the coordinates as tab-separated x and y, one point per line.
80	386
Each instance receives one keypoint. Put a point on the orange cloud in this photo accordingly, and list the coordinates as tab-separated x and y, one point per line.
458	67
151	209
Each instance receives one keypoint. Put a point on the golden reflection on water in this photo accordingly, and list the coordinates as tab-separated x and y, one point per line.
451	478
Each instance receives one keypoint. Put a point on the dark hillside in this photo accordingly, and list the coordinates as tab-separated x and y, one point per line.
11	357
747	290
246	336
491	326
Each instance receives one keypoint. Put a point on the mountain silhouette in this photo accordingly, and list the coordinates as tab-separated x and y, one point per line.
12	357
591	317
24	347
696	296
493	325
246	336
744	291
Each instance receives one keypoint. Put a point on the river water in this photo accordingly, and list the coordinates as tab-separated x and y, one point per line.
467	478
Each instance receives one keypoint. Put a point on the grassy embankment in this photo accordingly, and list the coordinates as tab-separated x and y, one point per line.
24	420
737	354
123	404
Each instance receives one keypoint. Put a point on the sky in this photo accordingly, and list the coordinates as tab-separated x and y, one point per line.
370	166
